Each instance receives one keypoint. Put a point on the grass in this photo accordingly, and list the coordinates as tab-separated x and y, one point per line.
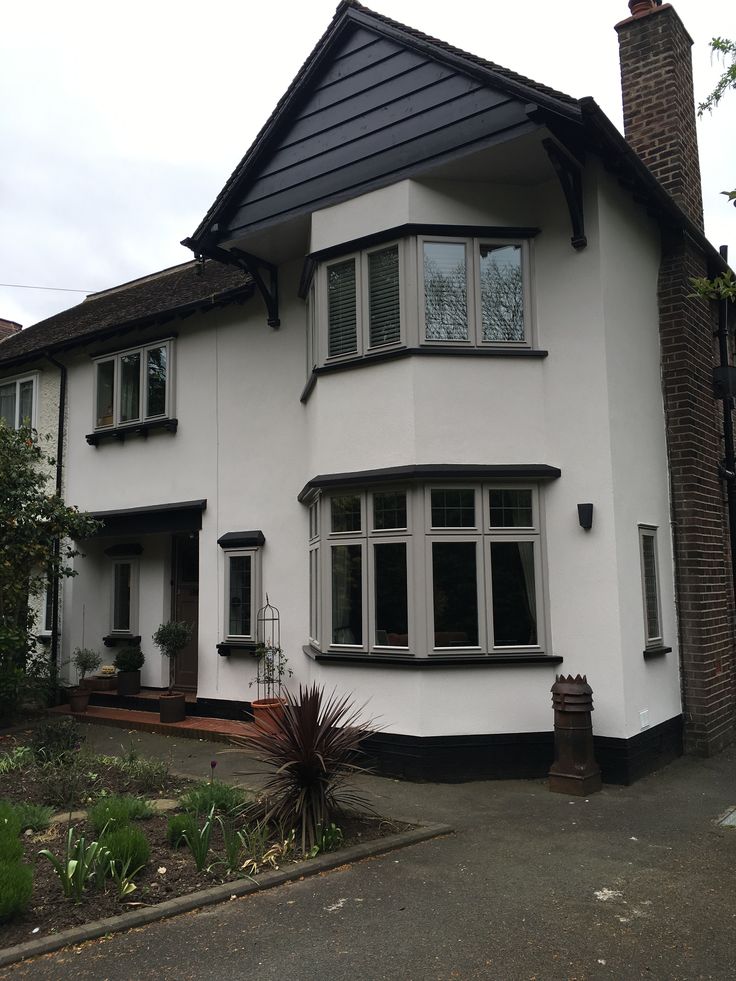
212	795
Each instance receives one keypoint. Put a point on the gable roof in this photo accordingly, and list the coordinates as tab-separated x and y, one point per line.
164	295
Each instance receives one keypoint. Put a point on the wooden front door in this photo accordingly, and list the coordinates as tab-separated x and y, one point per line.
185	603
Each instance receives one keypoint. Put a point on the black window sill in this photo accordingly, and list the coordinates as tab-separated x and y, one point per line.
112	640
435	661
656	651
120	433
235	647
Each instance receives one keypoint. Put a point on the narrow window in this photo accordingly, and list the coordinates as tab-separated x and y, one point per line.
391	595
314	595
514	594
25	403
347	594
650	585
156	372
455	594
121	597
130	387
105	393
48	609
240	607
445	291
7	404
342	309
453	508
383	297
501	293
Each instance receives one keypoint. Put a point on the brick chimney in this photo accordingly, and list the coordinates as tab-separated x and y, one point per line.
8	328
658	99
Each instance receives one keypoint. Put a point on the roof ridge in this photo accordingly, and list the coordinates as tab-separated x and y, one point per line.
128	284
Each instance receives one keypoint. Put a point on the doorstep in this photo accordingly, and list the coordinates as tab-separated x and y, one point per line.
192	727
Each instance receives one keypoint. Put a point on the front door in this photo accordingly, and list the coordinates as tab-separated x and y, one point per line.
185	590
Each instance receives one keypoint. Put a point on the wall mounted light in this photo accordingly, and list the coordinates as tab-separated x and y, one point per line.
585	516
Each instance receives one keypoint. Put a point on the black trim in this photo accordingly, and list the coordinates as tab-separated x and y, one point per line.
226	648
657	651
432	471
217	708
569	174
136	429
114	640
309	387
131	548
269	291
626	760
241	539
183	516
433	661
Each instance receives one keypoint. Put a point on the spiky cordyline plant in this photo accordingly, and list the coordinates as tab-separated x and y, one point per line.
312	747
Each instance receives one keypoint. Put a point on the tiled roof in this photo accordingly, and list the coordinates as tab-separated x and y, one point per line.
178	290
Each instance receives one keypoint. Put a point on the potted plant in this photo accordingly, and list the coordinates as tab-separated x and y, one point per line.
269	678
84	660
171	638
129	661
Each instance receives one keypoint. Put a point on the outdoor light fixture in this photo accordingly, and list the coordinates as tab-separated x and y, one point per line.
585	516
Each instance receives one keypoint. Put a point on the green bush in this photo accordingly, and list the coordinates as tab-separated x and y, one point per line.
127	846
129	658
64	783
17	759
208	794
117	811
11	847
9	820
33	817
55	739
180	827
16	885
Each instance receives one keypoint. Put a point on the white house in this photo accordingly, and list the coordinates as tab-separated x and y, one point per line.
415	388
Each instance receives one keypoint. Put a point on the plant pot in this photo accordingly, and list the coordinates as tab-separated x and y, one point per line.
129	682
267	712
79	699
172	708
100	682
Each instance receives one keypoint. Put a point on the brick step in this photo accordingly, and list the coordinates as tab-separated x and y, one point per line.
192	727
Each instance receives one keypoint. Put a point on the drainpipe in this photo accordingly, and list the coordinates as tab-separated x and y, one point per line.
57	543
728	470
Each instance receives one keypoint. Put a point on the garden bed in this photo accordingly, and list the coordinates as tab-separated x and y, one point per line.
169	872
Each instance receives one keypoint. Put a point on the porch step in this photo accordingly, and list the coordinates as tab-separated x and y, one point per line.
192	727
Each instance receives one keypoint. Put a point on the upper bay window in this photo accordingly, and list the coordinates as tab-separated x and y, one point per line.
18	402
133	386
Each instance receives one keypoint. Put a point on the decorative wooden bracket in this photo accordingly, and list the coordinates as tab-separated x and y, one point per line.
269	291
569	175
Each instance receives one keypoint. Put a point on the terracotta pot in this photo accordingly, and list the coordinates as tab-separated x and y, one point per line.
172	708
266	712
129	682
79	699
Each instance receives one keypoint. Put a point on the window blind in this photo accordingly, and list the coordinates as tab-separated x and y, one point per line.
383	296
342	316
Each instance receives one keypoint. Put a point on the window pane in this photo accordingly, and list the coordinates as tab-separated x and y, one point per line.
130	387
511	509
514	594
453	508
392	606
501	293
347	595
239	623
105	393
314	594
341	309
389	510
651	599
383	296
445	292
346	513
121	596
48	611
157	369
25	400
7	404
455	594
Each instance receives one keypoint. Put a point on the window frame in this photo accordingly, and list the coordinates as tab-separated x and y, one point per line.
132	629
650	531
142	418
17	381
254	553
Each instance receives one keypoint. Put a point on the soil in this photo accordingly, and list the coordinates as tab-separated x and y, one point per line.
168	874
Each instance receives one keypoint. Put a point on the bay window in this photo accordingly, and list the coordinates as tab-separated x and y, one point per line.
18	402
133	386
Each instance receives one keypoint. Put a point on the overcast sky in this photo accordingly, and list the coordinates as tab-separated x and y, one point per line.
121	122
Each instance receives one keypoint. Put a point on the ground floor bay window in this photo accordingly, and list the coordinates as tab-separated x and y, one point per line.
427	569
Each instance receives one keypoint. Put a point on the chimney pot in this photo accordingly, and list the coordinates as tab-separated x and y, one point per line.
640	6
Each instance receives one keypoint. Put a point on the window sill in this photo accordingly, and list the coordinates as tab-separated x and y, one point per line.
650	652
228	647
112	640
136	429
435	661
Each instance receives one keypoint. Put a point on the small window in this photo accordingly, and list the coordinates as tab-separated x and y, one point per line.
384	301
453	508
445	291
501	293
17	402
345	511
133	386
389	510
342	318
124	597
650	586
241	594
511	508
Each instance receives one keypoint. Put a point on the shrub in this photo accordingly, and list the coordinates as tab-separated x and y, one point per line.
129	659
16	759
16	885
85	660
9	820
56	738
213	794
199	841
34	817
126	846
79	865
116	811
11	847
180	827
313	748
66	782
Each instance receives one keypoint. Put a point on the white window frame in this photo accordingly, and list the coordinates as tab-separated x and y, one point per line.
650	531
472	278
17	381
132	629
255	593
116	357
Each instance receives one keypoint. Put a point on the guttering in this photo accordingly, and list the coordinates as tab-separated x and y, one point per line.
59	478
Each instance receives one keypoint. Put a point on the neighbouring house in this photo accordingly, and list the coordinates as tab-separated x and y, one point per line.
435	385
